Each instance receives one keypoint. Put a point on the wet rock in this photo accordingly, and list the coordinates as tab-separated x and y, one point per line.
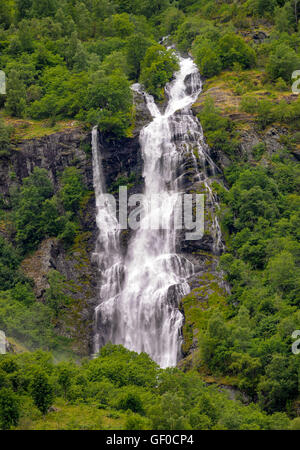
259	37
234	393
53	409
37	266
53	153
142	113
296	153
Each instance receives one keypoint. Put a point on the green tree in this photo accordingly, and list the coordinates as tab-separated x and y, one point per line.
284	19
6	13
72	190
16	95
43	8
83	20
71	49
23	8
206	57
169	413
131	400
282	62
233	49
9	263
65	375
55	295
137	46
119	25
5	133
42	391
282	271
109	103
35	213
9	409
265	6
157	69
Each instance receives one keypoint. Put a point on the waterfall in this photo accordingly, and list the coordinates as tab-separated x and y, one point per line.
139	297
107	254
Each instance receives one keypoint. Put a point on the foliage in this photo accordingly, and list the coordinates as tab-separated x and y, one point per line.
9	409
219	131
157	69
9	263
78	59
5	134
37	210
34	206
55	296
42	391
73	189
282	62
262	267
233	49
157	399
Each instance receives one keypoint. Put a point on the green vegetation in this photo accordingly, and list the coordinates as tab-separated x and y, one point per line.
262	266
77	59
118	384
219	131
74	61
245	337
157	69
38	213
221	52
5	134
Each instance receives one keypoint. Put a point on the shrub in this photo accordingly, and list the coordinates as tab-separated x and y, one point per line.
219	131
35	212
232	48
282	62
72	190
9	409
249	104
158	67
131	401
5	134
206	58
42	392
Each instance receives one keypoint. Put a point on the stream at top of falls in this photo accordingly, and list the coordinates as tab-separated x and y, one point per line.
139	294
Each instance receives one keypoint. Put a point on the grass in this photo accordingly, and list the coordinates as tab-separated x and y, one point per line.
74	417
17	346
30	129
228	87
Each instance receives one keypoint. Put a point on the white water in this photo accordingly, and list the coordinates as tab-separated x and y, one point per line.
139	297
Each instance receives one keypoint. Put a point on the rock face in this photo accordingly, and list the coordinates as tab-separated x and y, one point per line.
249	134
54	153
122	165
121	161
142	114
38	265
271	138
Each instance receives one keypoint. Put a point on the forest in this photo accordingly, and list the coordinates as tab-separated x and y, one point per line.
75	61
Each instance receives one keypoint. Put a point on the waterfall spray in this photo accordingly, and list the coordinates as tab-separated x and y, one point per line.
139	297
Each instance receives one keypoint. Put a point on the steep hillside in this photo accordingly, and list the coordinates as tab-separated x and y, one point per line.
70	66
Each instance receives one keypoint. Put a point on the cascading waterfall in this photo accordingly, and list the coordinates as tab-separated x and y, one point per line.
107	253
139	297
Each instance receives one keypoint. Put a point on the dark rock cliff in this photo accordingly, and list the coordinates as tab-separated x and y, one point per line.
122	164
54	153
